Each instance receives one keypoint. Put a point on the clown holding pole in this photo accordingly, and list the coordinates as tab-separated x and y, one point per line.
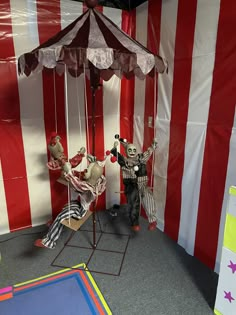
135	179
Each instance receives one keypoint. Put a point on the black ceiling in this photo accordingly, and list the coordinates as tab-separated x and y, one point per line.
119	4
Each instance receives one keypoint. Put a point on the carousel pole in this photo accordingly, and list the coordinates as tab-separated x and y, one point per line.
94	84
93	153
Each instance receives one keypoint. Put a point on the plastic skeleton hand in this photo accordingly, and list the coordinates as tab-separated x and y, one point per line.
67	168
154	143
91	158
82	150
57	138
116	143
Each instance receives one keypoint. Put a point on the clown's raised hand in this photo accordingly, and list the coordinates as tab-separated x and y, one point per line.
116	143
82	150
154	143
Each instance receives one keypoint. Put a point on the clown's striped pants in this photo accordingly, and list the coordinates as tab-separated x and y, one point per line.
137	192
148	201
70	210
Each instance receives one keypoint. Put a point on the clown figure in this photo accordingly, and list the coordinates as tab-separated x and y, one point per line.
135	179
88	186
58	159
55	147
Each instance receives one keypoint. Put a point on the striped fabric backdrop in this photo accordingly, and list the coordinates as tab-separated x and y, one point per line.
192	108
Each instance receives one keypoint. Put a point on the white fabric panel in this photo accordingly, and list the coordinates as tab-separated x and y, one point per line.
115	15
32	22
4	224
140	85
75	92
70	11
139	107
160	169
32	115
199	102
165	81
24	25
230	181
194	150
76	117
111	112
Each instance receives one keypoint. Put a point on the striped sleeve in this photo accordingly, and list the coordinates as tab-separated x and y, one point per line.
145	156
78	185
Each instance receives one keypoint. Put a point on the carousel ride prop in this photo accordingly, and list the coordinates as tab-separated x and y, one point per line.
94	46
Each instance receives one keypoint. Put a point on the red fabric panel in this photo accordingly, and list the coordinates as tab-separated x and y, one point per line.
52	117
11	145
179	113
154	21
127	93
99	126
220	123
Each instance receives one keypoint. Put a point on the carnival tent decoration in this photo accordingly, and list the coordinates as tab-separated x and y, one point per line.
95	46
92	42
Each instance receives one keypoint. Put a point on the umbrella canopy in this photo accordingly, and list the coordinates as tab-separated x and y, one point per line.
92	39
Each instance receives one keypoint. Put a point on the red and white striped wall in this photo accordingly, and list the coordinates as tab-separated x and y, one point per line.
192	108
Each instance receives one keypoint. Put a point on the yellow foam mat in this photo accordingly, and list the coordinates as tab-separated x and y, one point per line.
230	232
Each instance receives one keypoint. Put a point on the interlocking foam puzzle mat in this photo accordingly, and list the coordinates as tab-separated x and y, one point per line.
68	291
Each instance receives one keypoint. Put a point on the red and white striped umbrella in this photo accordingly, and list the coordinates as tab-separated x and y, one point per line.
92	39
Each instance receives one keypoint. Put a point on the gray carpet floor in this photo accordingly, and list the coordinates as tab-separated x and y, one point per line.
143	273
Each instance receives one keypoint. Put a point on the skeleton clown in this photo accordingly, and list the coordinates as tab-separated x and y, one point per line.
135	179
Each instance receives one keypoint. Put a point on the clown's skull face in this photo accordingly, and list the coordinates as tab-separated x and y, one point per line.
131	150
